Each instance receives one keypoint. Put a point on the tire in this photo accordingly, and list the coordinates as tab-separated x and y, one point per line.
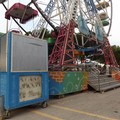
44	104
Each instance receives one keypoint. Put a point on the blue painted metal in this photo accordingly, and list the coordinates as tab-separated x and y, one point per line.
88	49
64	7
91	6
92	10
49	7
98	33
82	25
9	88
9	84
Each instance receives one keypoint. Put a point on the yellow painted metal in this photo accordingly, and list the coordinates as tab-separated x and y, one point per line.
103	16
102	5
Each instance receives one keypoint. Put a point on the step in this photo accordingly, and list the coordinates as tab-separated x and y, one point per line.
104	84
101	76
109	87
95	80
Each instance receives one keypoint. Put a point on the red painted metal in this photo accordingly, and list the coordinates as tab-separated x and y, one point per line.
108	54
22	12
63	51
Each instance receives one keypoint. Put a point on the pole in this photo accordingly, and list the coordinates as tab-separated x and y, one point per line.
7	24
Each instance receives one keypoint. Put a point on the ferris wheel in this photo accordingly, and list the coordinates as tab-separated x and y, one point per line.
96	15
97	11
91	18
92	13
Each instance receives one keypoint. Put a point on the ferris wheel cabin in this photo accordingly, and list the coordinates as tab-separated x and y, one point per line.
103	16
22	12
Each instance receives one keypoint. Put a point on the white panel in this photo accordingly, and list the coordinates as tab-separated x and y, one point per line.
30	88
3	53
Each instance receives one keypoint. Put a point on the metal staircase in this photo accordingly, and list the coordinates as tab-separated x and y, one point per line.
101	82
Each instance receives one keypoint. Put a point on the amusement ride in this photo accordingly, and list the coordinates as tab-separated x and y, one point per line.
68	19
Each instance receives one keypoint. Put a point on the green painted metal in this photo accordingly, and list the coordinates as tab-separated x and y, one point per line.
105	23
73	81
1	34
51	41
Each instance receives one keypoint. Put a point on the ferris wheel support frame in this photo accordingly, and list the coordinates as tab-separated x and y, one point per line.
63	52
108	54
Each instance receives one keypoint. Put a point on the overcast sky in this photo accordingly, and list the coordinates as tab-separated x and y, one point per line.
115	30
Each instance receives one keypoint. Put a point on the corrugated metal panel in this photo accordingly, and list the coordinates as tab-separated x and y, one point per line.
29	54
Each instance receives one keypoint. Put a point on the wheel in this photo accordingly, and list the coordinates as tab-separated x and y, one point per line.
102	12
54	12
61	96
7	114
1	117
44	104
102	92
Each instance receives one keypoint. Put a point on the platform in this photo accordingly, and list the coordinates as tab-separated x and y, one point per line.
22	12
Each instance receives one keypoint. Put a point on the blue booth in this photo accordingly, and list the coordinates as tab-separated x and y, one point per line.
23	71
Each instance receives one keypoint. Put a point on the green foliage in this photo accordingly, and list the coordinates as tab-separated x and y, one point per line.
1	34
116	50
47	33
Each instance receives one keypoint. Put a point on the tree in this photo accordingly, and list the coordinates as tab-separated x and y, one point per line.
116	51
1	34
